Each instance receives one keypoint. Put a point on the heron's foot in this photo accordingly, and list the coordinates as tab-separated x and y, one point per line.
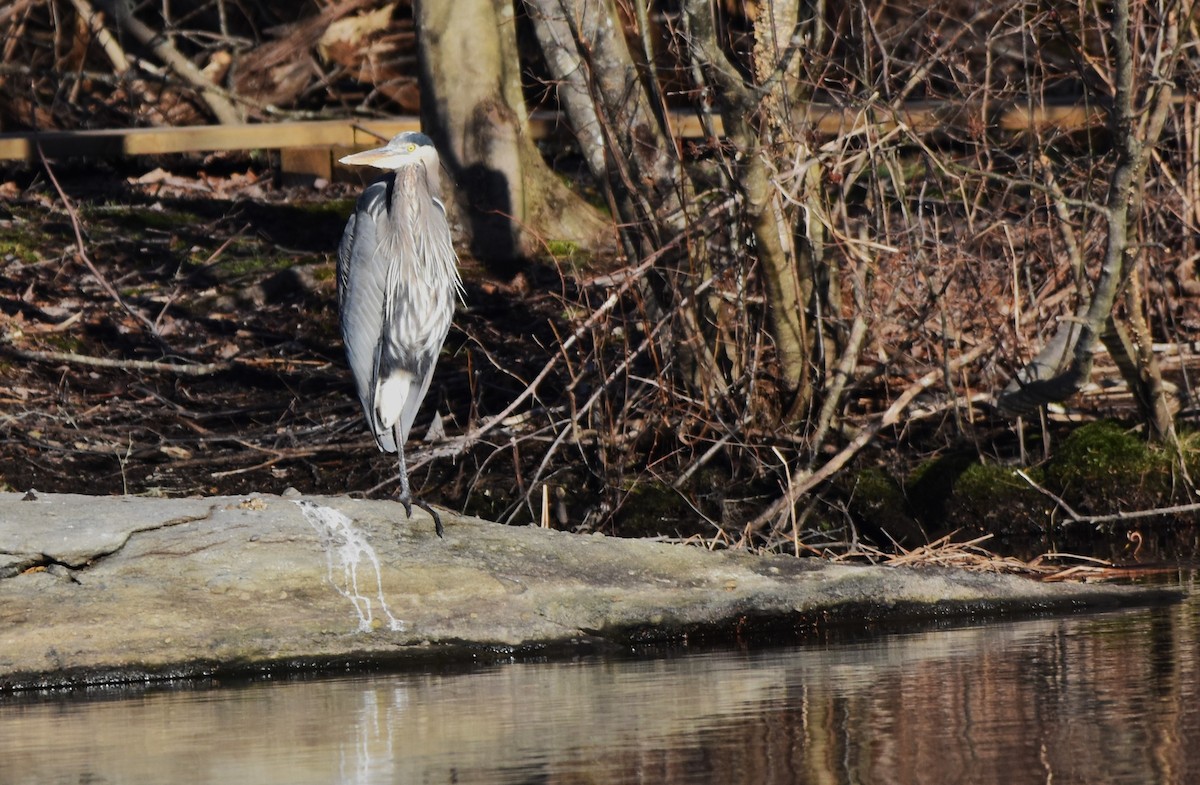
408	502
437	519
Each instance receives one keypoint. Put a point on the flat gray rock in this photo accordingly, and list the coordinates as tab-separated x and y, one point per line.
96	589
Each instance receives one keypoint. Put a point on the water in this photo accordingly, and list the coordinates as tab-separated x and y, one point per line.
1107	698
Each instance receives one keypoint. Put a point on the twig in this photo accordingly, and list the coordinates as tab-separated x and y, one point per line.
460	443
572	425
81	252
802	481
259	466
1058	500
203	266
202	369
699	463
1111	517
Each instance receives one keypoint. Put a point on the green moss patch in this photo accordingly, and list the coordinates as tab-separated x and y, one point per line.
12	248
1102	467
996	499
1098	469
878	502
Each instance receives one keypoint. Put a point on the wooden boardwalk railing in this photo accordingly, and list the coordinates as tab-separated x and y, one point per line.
308	147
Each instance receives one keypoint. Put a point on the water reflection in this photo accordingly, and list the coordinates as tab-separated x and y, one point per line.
1097	699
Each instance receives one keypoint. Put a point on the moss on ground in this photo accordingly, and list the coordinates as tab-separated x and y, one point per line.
878	501
11	248
568	252
254	265
335	209
139	218
996	499
1099	468
20	238
1102	467
1099	452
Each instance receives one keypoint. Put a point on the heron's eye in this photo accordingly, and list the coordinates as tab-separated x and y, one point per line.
411	147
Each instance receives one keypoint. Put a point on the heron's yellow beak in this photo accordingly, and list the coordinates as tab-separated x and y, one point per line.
380	158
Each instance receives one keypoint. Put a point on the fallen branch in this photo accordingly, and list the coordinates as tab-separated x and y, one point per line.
108	42
1112	517
223	110
201	369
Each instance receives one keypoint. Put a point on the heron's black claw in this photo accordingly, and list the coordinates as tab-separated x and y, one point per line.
408	503
437	519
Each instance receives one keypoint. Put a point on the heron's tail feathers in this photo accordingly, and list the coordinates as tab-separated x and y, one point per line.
391	394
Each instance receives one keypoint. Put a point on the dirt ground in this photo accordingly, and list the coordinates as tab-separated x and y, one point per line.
220	371
170	328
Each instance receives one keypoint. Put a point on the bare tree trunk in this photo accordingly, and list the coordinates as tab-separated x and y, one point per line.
631	152
472	105
1152	394
588	53
1063	367
795	264
758	118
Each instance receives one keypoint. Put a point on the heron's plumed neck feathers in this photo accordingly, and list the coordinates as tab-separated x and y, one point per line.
416	206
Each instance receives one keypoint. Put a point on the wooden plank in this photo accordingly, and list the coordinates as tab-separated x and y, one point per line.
303	165
202	138
826	120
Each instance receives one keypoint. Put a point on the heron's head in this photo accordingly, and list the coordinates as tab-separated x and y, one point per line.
409	147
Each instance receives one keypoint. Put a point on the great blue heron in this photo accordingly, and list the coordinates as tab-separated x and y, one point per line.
397	277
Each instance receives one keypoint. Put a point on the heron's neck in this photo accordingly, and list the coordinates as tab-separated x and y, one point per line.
417	206
418	178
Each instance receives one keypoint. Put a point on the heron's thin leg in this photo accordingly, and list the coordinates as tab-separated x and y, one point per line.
405	496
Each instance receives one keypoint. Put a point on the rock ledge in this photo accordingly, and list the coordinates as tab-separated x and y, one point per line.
102	589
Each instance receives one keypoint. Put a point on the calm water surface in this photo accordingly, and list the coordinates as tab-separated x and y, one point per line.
1111	698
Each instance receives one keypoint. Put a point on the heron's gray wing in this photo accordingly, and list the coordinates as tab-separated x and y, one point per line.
361	276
